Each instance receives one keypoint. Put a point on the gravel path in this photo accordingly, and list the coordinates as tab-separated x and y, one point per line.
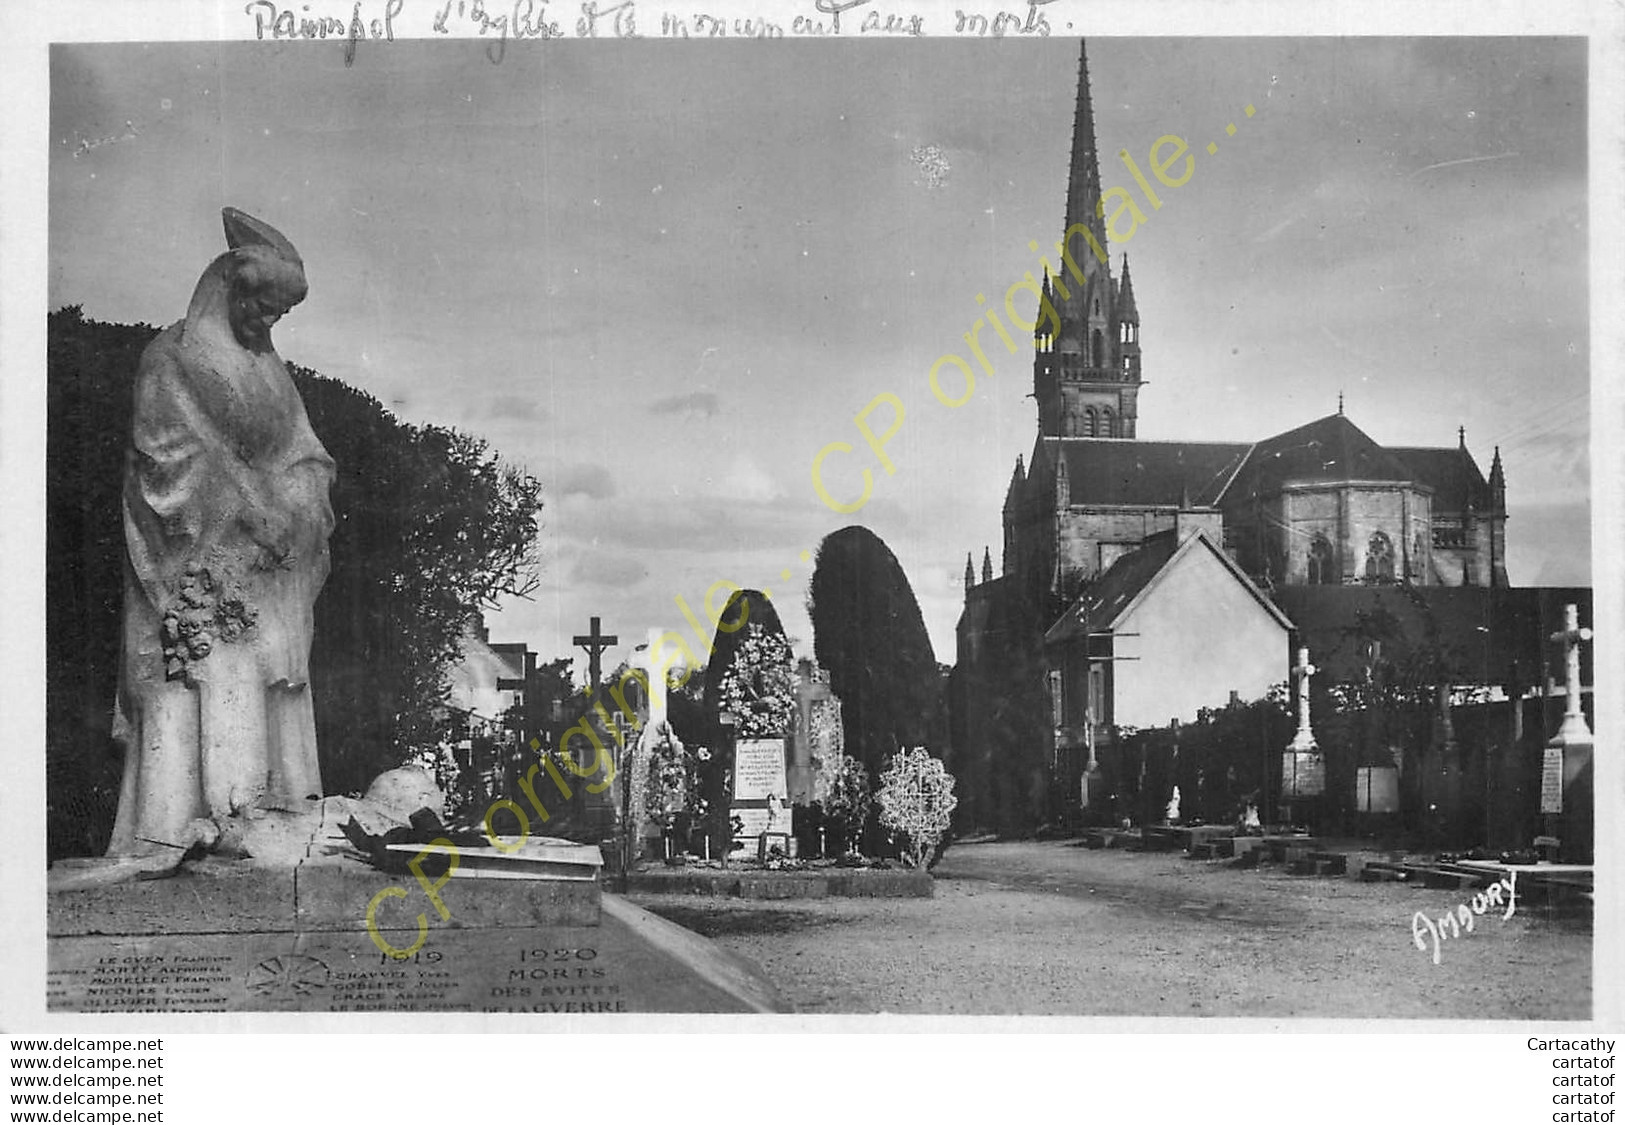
1055	929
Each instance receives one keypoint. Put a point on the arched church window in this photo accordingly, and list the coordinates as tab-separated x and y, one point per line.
1099	349
1089	423
1322	562
1379	559
1108	424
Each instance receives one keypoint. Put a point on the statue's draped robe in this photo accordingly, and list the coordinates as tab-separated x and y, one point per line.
220	446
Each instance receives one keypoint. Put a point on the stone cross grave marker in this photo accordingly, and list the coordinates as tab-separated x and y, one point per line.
1570	636
595	642
1303	767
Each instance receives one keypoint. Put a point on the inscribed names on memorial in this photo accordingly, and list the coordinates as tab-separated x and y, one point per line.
564	970
1551	781
759	786
1303	774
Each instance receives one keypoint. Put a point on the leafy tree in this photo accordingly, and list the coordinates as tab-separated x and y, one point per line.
917	800
868	631
90	369
429	523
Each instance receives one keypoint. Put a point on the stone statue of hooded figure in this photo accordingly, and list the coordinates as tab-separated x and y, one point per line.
226	521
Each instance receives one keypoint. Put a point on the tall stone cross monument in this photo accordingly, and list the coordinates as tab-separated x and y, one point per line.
1574	727
1304	739
1303	766
1567	786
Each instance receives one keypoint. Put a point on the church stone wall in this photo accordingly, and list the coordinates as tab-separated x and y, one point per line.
1083	531
1348	516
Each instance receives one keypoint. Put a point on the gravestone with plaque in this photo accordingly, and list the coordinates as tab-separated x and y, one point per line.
759	791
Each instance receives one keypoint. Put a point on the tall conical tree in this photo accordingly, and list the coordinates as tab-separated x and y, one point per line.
868	632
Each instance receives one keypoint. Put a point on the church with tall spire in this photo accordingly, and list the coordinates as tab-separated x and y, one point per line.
1323	504
1086	377
1264	539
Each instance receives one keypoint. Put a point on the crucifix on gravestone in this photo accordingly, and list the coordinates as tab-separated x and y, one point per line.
595	643
1574	724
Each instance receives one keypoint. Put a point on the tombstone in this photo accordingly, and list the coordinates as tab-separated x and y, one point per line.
759	791
815	737
1376	790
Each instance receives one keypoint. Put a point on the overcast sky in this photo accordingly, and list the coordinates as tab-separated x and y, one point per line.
663	278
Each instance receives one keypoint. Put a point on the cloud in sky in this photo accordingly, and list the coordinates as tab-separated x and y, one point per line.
591	481
694	404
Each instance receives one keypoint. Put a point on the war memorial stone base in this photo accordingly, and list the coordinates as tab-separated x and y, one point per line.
227	936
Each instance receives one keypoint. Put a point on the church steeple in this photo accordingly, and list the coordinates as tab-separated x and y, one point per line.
987	565
1086	378
1498	485
970	574
1083	185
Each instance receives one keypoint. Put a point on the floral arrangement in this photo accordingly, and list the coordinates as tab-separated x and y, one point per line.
201	612
671	779
917	801
759	685
847	800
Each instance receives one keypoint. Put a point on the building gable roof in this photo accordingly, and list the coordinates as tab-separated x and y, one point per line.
1106	601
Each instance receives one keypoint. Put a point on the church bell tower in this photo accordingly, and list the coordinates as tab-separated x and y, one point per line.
1086	377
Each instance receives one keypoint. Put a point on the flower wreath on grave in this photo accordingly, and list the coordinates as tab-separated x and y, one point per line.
759	685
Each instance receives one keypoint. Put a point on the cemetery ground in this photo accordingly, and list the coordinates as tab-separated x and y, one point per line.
1051	928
